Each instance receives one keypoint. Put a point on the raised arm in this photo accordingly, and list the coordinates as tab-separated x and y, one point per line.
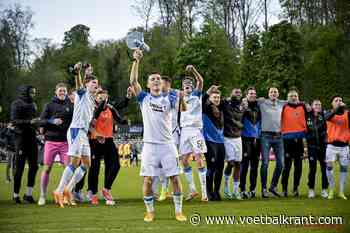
125	102
197	76
182	102
78	81
134	74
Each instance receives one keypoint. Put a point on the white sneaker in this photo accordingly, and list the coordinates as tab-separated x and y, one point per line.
41	201
89	195
311	193
110	202
324	193
236	195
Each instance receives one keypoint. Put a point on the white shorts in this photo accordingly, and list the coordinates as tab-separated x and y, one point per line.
78	143
192	141
233	149
342	152
159	159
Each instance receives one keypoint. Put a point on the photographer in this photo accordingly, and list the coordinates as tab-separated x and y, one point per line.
23	111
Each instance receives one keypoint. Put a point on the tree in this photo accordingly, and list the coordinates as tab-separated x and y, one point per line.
281	57
210	51
250	61
144	9
248	15
76	47
7	66
18	21
77	35
223	13
327	53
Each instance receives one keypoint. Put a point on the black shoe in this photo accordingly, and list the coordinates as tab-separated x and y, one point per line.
217	196
285	193
274	192
296	193
17	200
252	194
211	196
28	199
244	195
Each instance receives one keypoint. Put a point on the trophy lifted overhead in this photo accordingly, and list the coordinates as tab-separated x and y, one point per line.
135	40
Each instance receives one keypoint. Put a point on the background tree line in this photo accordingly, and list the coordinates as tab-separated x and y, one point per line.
230	42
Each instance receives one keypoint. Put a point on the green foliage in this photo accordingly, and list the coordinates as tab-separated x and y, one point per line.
327	54
77	35
161	58
210	51
250	61
281	58
315	59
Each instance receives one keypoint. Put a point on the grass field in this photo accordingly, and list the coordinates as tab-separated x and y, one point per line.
127	215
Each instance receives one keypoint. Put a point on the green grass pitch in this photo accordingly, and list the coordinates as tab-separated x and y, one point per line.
127	215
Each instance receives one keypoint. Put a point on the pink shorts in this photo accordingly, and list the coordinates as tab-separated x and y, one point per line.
55	148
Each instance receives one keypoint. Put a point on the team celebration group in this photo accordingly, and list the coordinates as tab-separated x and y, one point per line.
181	128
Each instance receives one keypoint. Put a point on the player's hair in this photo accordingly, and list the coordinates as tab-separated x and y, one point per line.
336	96
216	92
188	78
273	86
293	89
250	89
315	100
154	72
89	77
166	78
59	85
102	92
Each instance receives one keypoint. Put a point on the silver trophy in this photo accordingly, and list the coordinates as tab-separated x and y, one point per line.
135	40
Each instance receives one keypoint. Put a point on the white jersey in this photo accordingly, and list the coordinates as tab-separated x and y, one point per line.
156	115
192	117
174	111
84	106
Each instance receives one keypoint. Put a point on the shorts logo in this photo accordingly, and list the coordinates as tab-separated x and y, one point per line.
200	144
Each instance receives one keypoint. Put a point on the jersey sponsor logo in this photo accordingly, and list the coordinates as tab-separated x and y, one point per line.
339	122
157	107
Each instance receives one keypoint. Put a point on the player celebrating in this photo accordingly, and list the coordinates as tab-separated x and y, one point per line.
233	112
293	127
251	143
55	118
213	132
158	153
191	139
77	136
166	89
338	135
316	143
102	145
